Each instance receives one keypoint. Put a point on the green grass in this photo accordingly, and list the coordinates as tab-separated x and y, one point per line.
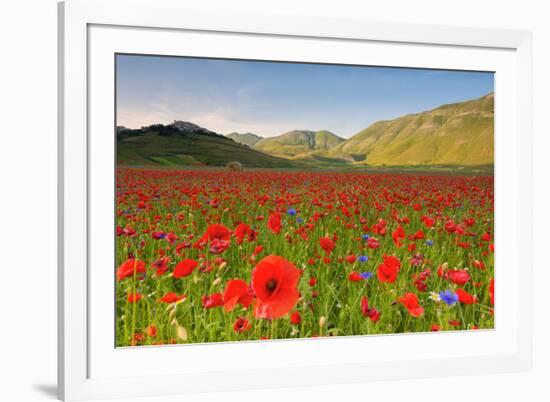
189	148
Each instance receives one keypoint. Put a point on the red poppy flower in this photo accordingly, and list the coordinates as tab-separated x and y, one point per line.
465	297
236	292
312	281
435	327
274	222
458	276
241	325
161	265
351	258
128	267
184	268
451	227
295	318
171	297
369	312
275	281
479	264
134	297
355	276
243	231
428	222
218	246
410	301
137	338
327	244
419	235
373	243
397	235
216	231
486	237
213	300
388	270
152	331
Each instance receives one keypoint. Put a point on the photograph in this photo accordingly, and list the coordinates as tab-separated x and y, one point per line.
265	200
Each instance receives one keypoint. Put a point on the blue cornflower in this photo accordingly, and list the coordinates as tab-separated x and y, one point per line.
365	236
299	220
363	258
449	297
366	275
429	242
291	212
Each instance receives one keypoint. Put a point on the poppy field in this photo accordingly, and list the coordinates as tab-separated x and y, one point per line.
209	255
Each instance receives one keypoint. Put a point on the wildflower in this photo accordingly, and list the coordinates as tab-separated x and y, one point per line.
435	297
366	275
171	297
184	268
241	325
351	258
214	232
449	297
465	297
327	244
388	270
129	267
371	313
363	258
355	277
214	300
295	318
410	302
275	281
237	292
274	222
134	297
458	276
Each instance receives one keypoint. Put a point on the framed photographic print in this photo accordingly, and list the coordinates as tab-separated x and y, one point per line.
283	201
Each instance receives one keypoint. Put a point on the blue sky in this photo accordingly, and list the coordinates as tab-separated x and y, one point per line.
269	98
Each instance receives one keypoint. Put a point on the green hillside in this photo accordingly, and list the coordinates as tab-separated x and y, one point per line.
165	145
298	143
249	139
454	134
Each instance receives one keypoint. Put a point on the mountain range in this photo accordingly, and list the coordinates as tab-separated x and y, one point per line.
249	139
298	143
458	134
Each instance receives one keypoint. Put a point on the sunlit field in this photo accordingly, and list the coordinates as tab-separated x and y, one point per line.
217	256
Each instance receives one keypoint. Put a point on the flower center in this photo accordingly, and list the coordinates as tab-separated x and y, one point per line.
271	285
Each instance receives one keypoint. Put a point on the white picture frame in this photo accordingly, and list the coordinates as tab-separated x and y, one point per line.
90	32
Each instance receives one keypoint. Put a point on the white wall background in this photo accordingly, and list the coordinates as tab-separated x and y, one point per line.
28	198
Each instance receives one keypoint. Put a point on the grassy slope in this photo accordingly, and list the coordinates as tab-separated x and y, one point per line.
249	139
298	143
192	149
454	134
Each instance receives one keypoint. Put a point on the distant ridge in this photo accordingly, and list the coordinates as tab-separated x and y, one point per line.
296	143
248	139
455	134
184	144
